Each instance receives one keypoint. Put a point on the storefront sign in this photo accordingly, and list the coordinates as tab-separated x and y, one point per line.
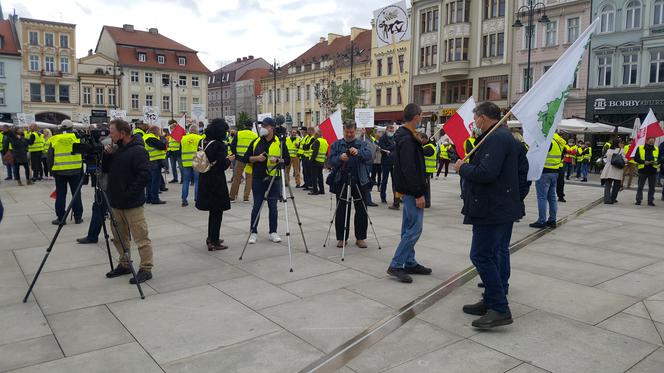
635	103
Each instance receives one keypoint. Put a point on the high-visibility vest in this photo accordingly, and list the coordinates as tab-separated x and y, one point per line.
273	151
140	132
588	155
47	145
154	153
642	155
554	157
309	152
244	138
2	142
189	145
322	150
468	146
38	145
626	149
300	151
63	159
173	144
443	153
293	146
430	161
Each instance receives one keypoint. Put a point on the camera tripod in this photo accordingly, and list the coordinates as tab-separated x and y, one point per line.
100	198
281	167
349	200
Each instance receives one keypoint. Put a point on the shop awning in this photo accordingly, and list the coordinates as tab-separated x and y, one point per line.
389	116
576	125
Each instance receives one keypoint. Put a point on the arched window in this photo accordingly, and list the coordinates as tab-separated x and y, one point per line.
607	19
658	13
99	71
633	15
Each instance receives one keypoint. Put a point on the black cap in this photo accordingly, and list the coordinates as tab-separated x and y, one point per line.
269	121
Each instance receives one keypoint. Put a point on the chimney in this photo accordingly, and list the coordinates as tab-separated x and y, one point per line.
322	39
331	37
251	57
128	27
355	31
238	59
89	52
153	31
244	58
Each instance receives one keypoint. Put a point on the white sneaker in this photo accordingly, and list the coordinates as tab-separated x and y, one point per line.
274	237
252	238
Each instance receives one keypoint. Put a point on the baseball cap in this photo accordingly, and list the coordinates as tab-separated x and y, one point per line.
269	121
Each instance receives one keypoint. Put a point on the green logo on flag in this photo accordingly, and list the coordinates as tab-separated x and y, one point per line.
548	116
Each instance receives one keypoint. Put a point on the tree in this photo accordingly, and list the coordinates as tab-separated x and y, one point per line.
241	119
347	95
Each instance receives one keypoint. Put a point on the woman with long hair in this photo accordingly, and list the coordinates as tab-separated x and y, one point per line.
612	175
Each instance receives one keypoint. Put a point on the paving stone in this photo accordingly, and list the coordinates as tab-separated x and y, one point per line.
526	368
64	255
12	282
393	293
651	364
635	327
254	292
276	270
29	352
635	284
22	321
564	269
327	282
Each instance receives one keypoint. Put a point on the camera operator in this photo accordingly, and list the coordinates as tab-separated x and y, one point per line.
67	169
157	153
350	159
262	158
128	168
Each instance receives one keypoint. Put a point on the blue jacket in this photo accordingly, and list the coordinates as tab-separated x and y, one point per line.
360	165
493	181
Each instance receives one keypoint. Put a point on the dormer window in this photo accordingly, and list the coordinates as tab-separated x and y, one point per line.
161	59
142	57
182	61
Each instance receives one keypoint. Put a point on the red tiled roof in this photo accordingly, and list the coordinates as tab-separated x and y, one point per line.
256	75
138	38
10	46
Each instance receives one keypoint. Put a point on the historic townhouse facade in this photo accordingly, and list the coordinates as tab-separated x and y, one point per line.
10	71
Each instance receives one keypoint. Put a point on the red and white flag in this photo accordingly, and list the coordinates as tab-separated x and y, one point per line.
178	131
649	128
332	128
457	128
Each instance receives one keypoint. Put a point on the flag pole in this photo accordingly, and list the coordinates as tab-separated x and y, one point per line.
499	124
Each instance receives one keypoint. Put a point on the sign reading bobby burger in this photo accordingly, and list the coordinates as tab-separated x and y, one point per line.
635	103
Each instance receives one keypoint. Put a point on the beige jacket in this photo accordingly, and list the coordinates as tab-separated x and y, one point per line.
609	171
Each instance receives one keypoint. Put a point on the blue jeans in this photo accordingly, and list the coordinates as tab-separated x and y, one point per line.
176	162
584	170
386	171
61	182
568	169
489	252
258	188
155	182
10	171
411	229
546	192
188	174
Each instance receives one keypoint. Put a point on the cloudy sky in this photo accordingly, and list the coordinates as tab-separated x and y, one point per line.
220	30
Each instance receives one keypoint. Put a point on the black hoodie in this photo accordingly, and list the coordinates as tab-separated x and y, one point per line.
128	173
409	173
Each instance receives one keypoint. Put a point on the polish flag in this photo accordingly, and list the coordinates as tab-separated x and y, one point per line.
457	128
649	128
53	195
178	130
332	128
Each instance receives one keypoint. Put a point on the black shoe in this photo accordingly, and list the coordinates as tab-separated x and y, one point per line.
418	270
371	204
480	285
638	203
158	202
400	274
583	181
9	178
493	319
312	193
185	203
562	199
173	182
84	240
477	309
298	186
383	201
163	190
651	204
551	224
78	221
393	207
120	270
142	276
57	222
537	225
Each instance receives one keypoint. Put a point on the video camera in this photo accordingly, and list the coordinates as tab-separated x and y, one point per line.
279	130
90	145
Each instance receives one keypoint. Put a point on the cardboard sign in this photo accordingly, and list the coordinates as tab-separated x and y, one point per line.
118	114
25	119
392	24
197	112
230	120
151	114
364	118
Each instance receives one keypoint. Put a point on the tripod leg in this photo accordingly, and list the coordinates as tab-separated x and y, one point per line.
108	246
299	222
349	198
55	237
334	214
285	201
368	217
254	223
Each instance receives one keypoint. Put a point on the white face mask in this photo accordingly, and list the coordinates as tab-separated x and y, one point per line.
390	134
263	132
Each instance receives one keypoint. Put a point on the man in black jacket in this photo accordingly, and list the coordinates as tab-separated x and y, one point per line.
127	165
646	158
387	145
410	184
492	203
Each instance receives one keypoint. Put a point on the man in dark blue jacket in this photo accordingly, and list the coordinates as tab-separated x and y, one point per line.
387	145
492	203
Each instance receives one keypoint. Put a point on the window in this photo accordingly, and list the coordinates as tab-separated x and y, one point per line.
379	67
195	100
529	32
657	66
299	118
87	96
142	57
551	32
134	76
2	96
182	61
64	41
49	63
398	95
390	63
48	39
148	100
182	81
494	8
64	64
526	79
630	68
161	59
573	29
165	79
134	101
425	94
458	11
194	81
457	92
111	97
269	101
575	84
299	93
166	103
379	97
604	70
2	68
429	21
456	49
607	18
493	88
34	63
401	61
429	56
64	93
388	96
318	117
35	92
494	44
278	95
34	38
49	92
287	94
183	104
307	92
633	15
99	96
147	77
658	14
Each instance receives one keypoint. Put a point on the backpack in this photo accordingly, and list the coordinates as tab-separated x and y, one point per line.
201	163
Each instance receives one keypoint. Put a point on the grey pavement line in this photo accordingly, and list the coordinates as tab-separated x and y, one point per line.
653	321
645	357
356	345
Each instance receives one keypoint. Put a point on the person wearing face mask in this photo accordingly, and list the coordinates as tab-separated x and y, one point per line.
293	145
262	158
387	144
443	158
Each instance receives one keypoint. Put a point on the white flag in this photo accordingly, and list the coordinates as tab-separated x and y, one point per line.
541	109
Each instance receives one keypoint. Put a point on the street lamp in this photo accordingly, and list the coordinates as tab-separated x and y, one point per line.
172	99
529	11
116	69
274	70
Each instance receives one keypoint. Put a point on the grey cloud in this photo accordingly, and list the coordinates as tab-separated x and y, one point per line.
83	8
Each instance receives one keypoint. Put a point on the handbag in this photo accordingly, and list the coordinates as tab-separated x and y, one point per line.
8	158
617	160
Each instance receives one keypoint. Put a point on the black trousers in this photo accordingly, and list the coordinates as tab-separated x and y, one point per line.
651	178
317	183
376	175
360	221
35	164
306	173
44	163
443	163
17	174
560	184
214	226
427	192
611	189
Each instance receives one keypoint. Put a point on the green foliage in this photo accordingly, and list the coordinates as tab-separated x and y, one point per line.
347	95
241	119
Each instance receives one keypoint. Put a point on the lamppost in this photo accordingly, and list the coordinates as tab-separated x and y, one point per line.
221	90
115	83
172	100
274	70
529	11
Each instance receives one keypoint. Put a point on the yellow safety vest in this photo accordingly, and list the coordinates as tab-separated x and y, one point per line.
468	146
173	144
322	150
138	131
430	161
308	153
47	145
189	144
38	145
444	151
626	149
589	154
154	153
244	138
293	146
2	142
300	151
63	159
642	155
273	151
554	158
